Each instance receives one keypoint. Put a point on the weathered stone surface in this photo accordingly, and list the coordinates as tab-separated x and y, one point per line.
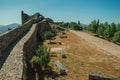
96	76
13	66
25	37
10	37
31	44
25	17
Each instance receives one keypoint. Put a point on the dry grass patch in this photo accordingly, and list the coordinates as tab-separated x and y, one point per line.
82	58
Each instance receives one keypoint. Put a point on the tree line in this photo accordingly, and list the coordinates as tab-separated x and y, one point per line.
108	31
70	25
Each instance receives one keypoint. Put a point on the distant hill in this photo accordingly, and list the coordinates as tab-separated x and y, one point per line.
4	28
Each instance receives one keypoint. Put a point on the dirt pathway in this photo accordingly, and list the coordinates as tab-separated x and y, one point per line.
13	66
110	47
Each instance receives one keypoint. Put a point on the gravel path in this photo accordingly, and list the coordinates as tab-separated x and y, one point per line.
110	47
13	66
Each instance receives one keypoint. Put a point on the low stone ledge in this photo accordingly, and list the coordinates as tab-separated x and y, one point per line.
97	76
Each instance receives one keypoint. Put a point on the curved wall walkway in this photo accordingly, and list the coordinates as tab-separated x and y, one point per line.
13	67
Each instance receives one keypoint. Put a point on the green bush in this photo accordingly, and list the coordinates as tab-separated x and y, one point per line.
101	29
43	53
36	62
93	26
41	58
108	31
75	26
116	37
48	35
71	25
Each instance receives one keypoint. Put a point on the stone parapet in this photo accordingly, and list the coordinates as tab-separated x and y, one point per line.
13	66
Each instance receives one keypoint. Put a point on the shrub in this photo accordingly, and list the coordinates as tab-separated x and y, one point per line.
116	37
48	35
41	58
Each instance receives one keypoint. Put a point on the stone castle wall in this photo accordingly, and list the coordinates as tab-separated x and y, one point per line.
12	68
39	25
14	35
25	17
31	44
7	39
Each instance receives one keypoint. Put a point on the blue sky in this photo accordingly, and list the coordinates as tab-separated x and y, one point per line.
61	10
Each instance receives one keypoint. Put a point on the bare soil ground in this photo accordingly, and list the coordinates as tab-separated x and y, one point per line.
83	57
101	43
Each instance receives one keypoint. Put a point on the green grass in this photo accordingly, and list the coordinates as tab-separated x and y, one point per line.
82	63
